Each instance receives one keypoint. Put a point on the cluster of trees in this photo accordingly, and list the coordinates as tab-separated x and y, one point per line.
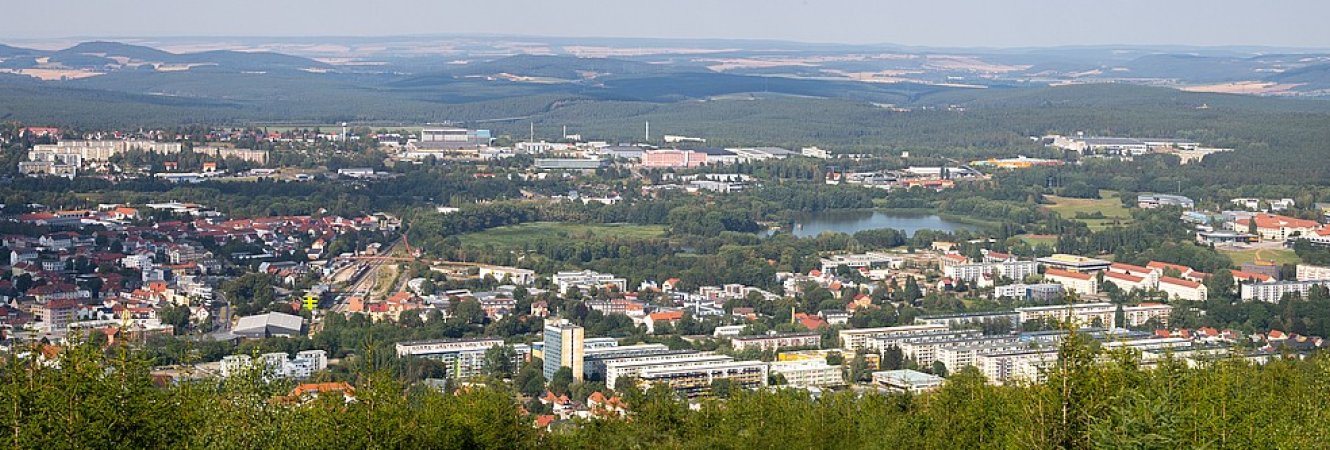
1091	399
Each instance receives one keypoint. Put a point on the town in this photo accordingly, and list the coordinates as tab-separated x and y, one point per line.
893	313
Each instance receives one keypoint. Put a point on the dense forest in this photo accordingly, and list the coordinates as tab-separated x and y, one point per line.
104	398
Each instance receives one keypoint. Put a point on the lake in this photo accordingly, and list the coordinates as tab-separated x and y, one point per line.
852	221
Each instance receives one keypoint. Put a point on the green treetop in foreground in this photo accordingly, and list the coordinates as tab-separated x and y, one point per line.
1091	400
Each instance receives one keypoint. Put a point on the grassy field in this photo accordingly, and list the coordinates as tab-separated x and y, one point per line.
1278	256
1109	205
1036	239
514	236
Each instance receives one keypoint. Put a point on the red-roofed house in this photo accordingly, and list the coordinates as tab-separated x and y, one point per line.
809	321
859	301
1277	228
663	317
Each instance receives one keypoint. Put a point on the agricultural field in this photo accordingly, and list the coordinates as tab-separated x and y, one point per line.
515	235
1087	210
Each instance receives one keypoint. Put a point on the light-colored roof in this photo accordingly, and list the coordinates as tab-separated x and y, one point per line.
262	322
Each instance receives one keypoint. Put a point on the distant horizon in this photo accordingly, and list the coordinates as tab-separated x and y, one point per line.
145	40
1010	24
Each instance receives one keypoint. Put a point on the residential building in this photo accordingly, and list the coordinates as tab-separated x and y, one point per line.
1272	292
1139	315
564	348
632	367
251	155
925	351
1084	314
597	360
1042	292
1125	282
776	341
1183	289
1308	272
56	315
809	373
857	338
1016	366
696	380
276	365
1078	282
960	320
957	357
461	358
880	344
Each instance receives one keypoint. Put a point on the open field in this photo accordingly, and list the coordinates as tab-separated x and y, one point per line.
516	235
1036	239
1109	205
1278	256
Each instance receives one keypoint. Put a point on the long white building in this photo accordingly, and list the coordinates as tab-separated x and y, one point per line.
1271	292
857	338
809	373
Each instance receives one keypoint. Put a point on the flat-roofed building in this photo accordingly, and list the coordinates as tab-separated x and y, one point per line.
907	381
587	280
809	373
870	260
1083	314
1139	315
776	341
966	319
857	338
1074	263
570	164
1273	291
514	275
924	353
632	367
461	358
1042	292
1016	366
564	347
695	380
880	344
594	359
957	357
1160	200
1308	272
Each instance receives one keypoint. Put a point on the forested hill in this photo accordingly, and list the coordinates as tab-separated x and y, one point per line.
1091	400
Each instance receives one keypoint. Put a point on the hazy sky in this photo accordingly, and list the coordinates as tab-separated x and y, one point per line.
995	23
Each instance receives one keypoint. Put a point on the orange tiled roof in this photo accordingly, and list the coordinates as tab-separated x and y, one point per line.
1067	274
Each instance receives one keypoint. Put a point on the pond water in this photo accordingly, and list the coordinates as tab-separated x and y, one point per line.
852	221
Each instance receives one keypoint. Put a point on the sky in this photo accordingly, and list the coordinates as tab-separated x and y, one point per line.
939	23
